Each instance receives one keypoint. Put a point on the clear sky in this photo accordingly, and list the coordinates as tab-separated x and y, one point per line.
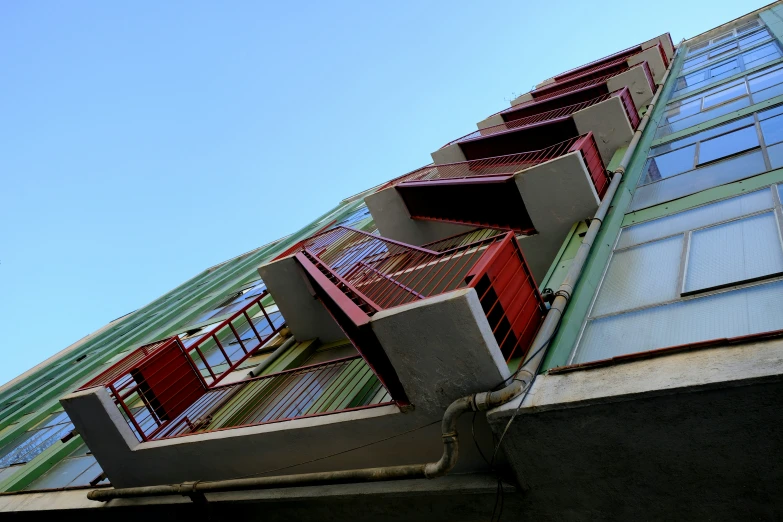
143	142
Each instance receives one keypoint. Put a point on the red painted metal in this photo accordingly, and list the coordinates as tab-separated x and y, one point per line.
164	378
483	193
391	274
630	109
562	112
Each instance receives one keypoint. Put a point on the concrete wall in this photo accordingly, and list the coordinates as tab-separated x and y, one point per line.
394	222
556	195
311	444
304	314
442	348
490	121
637	83
681	436
448	154
654	59
609	123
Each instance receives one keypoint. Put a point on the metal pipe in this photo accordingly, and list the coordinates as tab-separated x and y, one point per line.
476	402
266	363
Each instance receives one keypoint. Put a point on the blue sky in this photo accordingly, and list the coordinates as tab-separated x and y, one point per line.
144	142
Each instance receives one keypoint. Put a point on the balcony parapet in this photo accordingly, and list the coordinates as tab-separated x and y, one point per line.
538	193
156	382
611	117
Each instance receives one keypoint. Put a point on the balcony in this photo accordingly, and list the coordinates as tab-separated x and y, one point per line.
432	321
157	382
666	48
638	79
611	117
538	193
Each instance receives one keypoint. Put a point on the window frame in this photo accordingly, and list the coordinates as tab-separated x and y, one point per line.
701	97
696	164
758	24
707	68
776	209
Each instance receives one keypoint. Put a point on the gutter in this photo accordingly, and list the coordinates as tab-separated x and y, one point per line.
483	401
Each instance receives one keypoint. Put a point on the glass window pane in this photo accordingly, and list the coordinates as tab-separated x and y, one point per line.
775	153
683	111
734	313
740	250
723	68
772	129
68	472
696	218
761	55
693	62
768	113
33	443
669	164
640	276
728	144
766	78
708	176
766	94
725	95
703	135
753	39
722	49
696	119
722	37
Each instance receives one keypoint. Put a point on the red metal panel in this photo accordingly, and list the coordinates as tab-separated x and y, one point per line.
168	380
624	54
597	75
630	109
595	166
509	296
646	68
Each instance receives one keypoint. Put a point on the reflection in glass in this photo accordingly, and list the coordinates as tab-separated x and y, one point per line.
772	129
669	164
728	144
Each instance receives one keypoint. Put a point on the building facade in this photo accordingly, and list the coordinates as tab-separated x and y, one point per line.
605	256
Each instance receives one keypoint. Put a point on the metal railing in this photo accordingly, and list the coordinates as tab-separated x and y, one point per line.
320	389
382	274
157	381
496	166
560	112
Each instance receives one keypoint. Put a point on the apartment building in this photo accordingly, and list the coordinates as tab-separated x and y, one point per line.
572	312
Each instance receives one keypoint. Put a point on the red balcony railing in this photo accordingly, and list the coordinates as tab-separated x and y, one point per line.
488	167
157	382
557	90
506	166
376	274
340	385
561	112
585	70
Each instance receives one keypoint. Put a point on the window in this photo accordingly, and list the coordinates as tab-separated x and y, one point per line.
721	100
723	68
78	469
699	48
730	152
710	272
36	440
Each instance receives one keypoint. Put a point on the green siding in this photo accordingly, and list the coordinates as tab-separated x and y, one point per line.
567	334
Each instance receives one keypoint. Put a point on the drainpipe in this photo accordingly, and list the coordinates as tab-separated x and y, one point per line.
477	402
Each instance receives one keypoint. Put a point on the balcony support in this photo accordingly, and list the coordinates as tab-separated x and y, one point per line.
294	296
442	348
394	221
